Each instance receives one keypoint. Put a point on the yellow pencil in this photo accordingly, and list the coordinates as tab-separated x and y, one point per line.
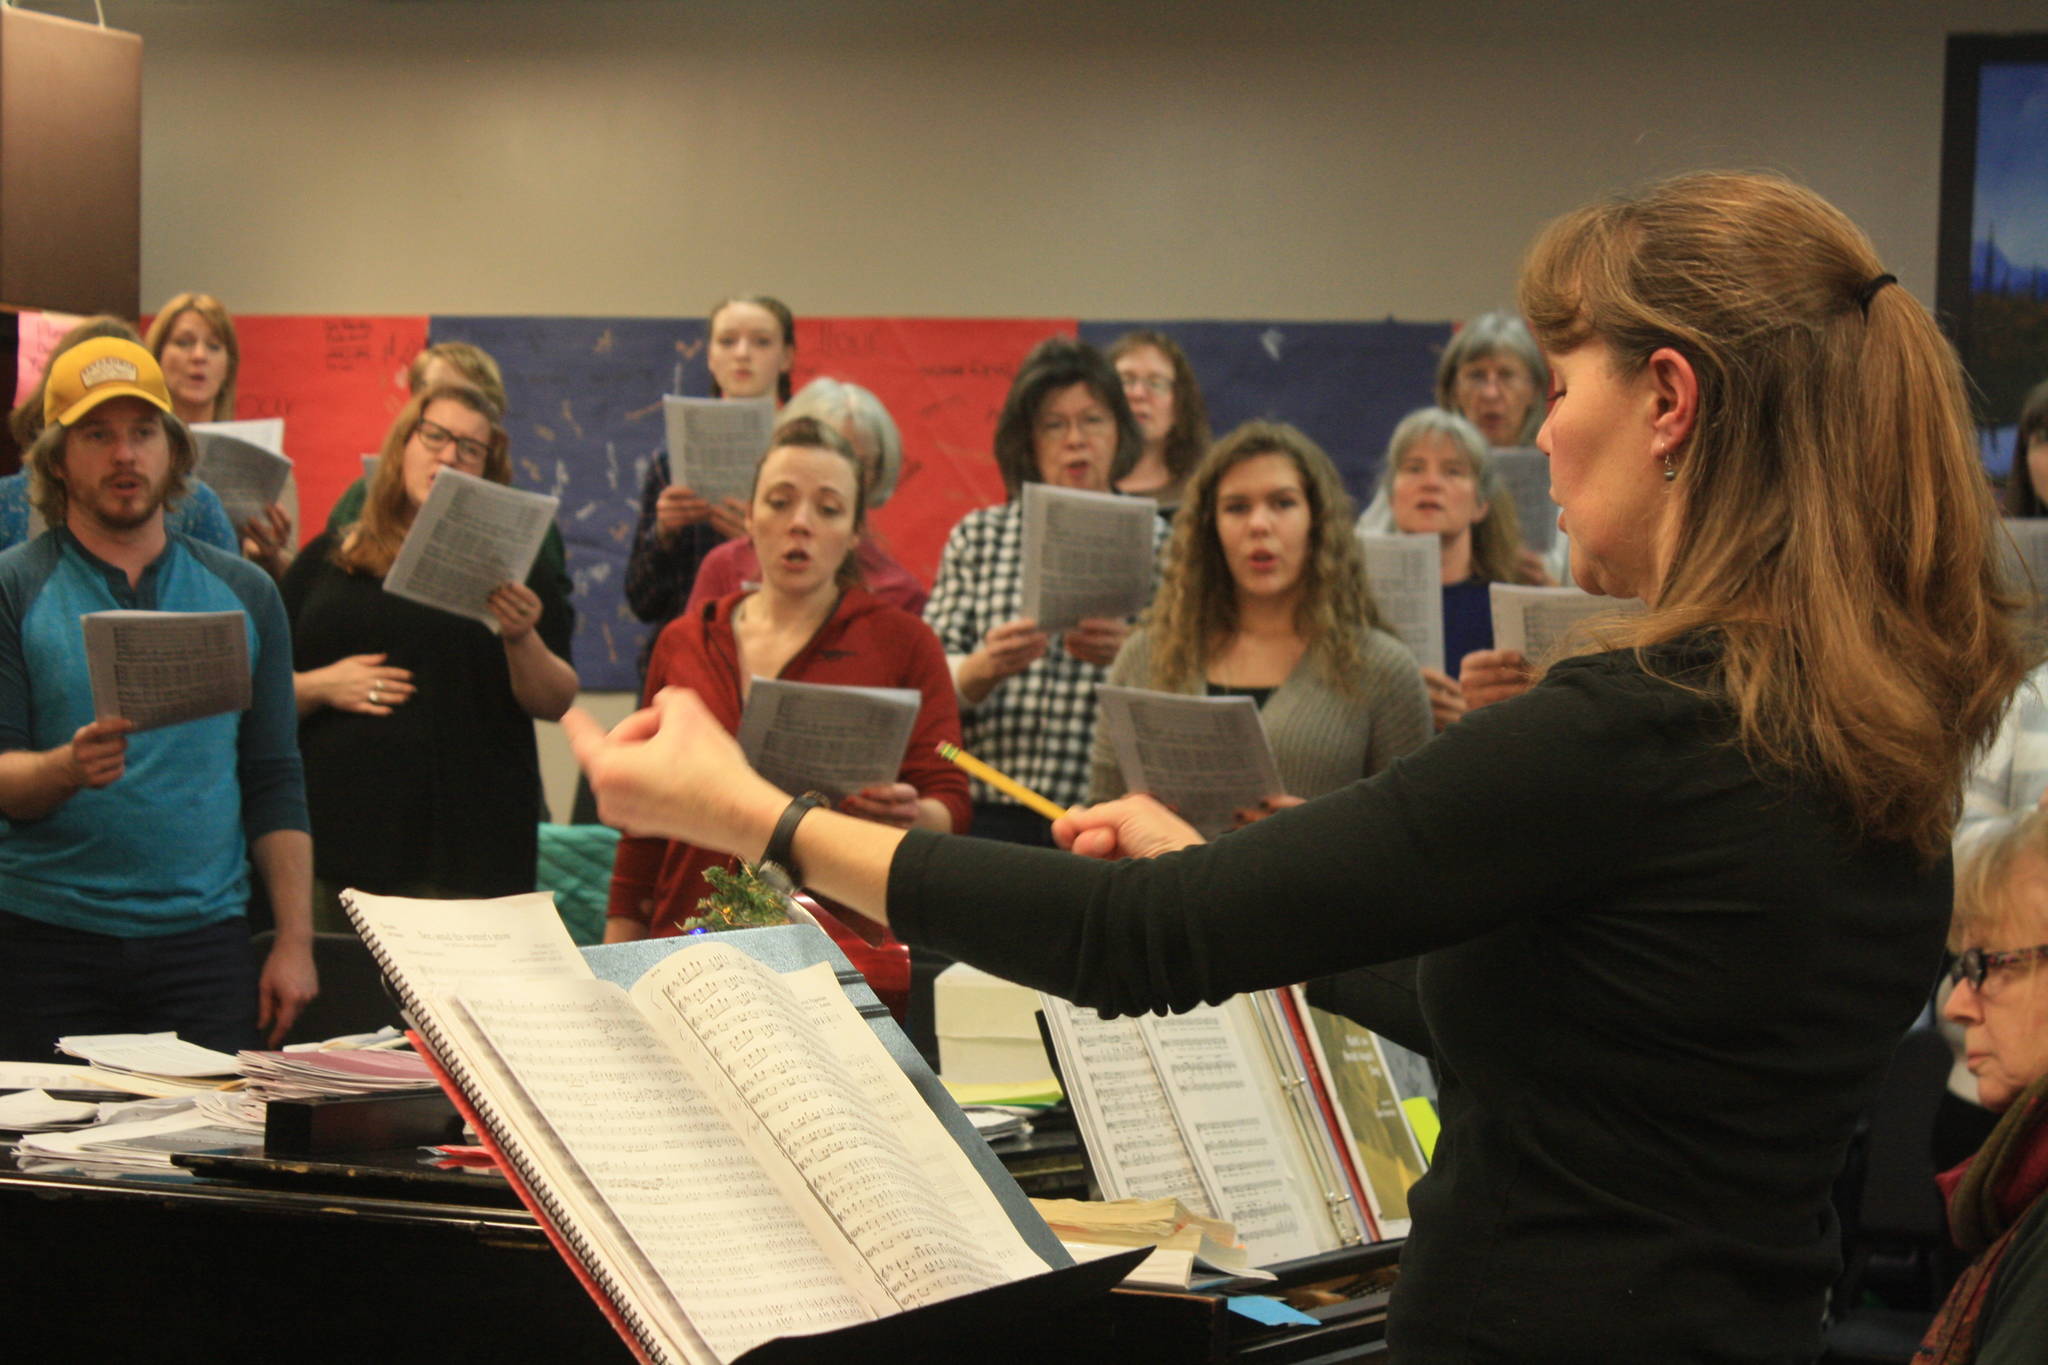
1009	786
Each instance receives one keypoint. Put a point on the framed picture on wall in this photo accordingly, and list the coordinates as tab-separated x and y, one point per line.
1992	283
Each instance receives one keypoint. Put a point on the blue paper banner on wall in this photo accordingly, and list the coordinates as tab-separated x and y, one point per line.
1344	383
585	400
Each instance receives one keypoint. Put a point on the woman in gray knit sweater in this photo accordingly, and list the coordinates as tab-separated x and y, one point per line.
1264	595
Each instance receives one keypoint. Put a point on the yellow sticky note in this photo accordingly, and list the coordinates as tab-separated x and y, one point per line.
1422	1118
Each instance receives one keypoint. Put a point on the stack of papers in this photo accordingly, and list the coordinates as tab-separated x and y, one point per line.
152	1063
35	1111
1182	1237
139	1144
316	1075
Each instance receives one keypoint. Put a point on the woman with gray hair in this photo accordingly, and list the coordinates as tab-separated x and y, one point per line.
1493	376
861	418
1439	479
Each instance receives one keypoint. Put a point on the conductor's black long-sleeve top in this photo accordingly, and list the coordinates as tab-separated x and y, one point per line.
1660	987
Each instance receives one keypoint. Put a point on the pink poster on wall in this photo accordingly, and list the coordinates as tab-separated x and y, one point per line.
36	335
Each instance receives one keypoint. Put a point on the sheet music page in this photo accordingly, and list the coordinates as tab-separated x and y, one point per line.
825	737
715	443
1368	1106
1526	472
1120	1103
267	433
1536	620
471	535
2024	551
246	477
1239	1129
438	947
654	1173
1207	757
159	668
1085	554
853	1174
1406	574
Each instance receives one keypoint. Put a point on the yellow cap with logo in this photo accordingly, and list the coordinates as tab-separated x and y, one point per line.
94	371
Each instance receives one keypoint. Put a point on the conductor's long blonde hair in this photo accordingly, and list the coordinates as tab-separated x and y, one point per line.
1833	526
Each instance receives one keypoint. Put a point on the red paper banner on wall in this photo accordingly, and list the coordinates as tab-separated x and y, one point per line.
337	382
943	380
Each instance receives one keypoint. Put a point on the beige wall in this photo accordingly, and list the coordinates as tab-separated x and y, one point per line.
1322	160
1209	159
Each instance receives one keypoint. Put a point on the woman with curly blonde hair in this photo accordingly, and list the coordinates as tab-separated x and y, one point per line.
1264	596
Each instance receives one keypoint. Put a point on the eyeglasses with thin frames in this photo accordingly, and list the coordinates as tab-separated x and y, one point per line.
1975	964
468	450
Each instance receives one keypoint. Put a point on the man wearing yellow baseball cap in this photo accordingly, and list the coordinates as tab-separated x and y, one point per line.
124	862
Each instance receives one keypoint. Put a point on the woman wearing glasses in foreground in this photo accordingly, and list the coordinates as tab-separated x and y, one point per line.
1998	1310
1675	904
421	774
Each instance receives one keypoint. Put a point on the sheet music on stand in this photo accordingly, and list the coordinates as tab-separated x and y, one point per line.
471	535
1526	472
247	477
158	668
1085	555
1207	757
1536	620
1406	573
715	443
827	737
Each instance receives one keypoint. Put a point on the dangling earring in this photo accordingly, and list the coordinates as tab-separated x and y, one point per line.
1670	470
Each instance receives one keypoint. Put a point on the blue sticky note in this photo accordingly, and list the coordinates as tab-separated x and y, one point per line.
1270	1312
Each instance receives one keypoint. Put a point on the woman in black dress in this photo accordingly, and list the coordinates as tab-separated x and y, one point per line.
421	774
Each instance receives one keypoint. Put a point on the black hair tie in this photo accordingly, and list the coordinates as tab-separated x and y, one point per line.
1869	291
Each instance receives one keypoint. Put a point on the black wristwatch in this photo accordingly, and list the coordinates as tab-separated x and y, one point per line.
777	862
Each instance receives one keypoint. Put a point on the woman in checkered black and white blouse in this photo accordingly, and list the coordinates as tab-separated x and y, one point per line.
1027	701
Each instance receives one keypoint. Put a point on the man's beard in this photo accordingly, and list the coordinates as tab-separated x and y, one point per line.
112	513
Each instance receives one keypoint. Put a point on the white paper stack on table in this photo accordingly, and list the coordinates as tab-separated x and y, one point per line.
317	1075
144	1144
715	443
1085	555
1206	757
35	1111
158	668
1407	577
471	535
827	737
152	1063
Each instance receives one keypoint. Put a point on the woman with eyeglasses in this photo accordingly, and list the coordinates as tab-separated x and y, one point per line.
421	773
1173	421
1998	1309
1671	909
1027	701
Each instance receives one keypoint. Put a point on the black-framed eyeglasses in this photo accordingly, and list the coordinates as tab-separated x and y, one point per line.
1974	964
436	437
